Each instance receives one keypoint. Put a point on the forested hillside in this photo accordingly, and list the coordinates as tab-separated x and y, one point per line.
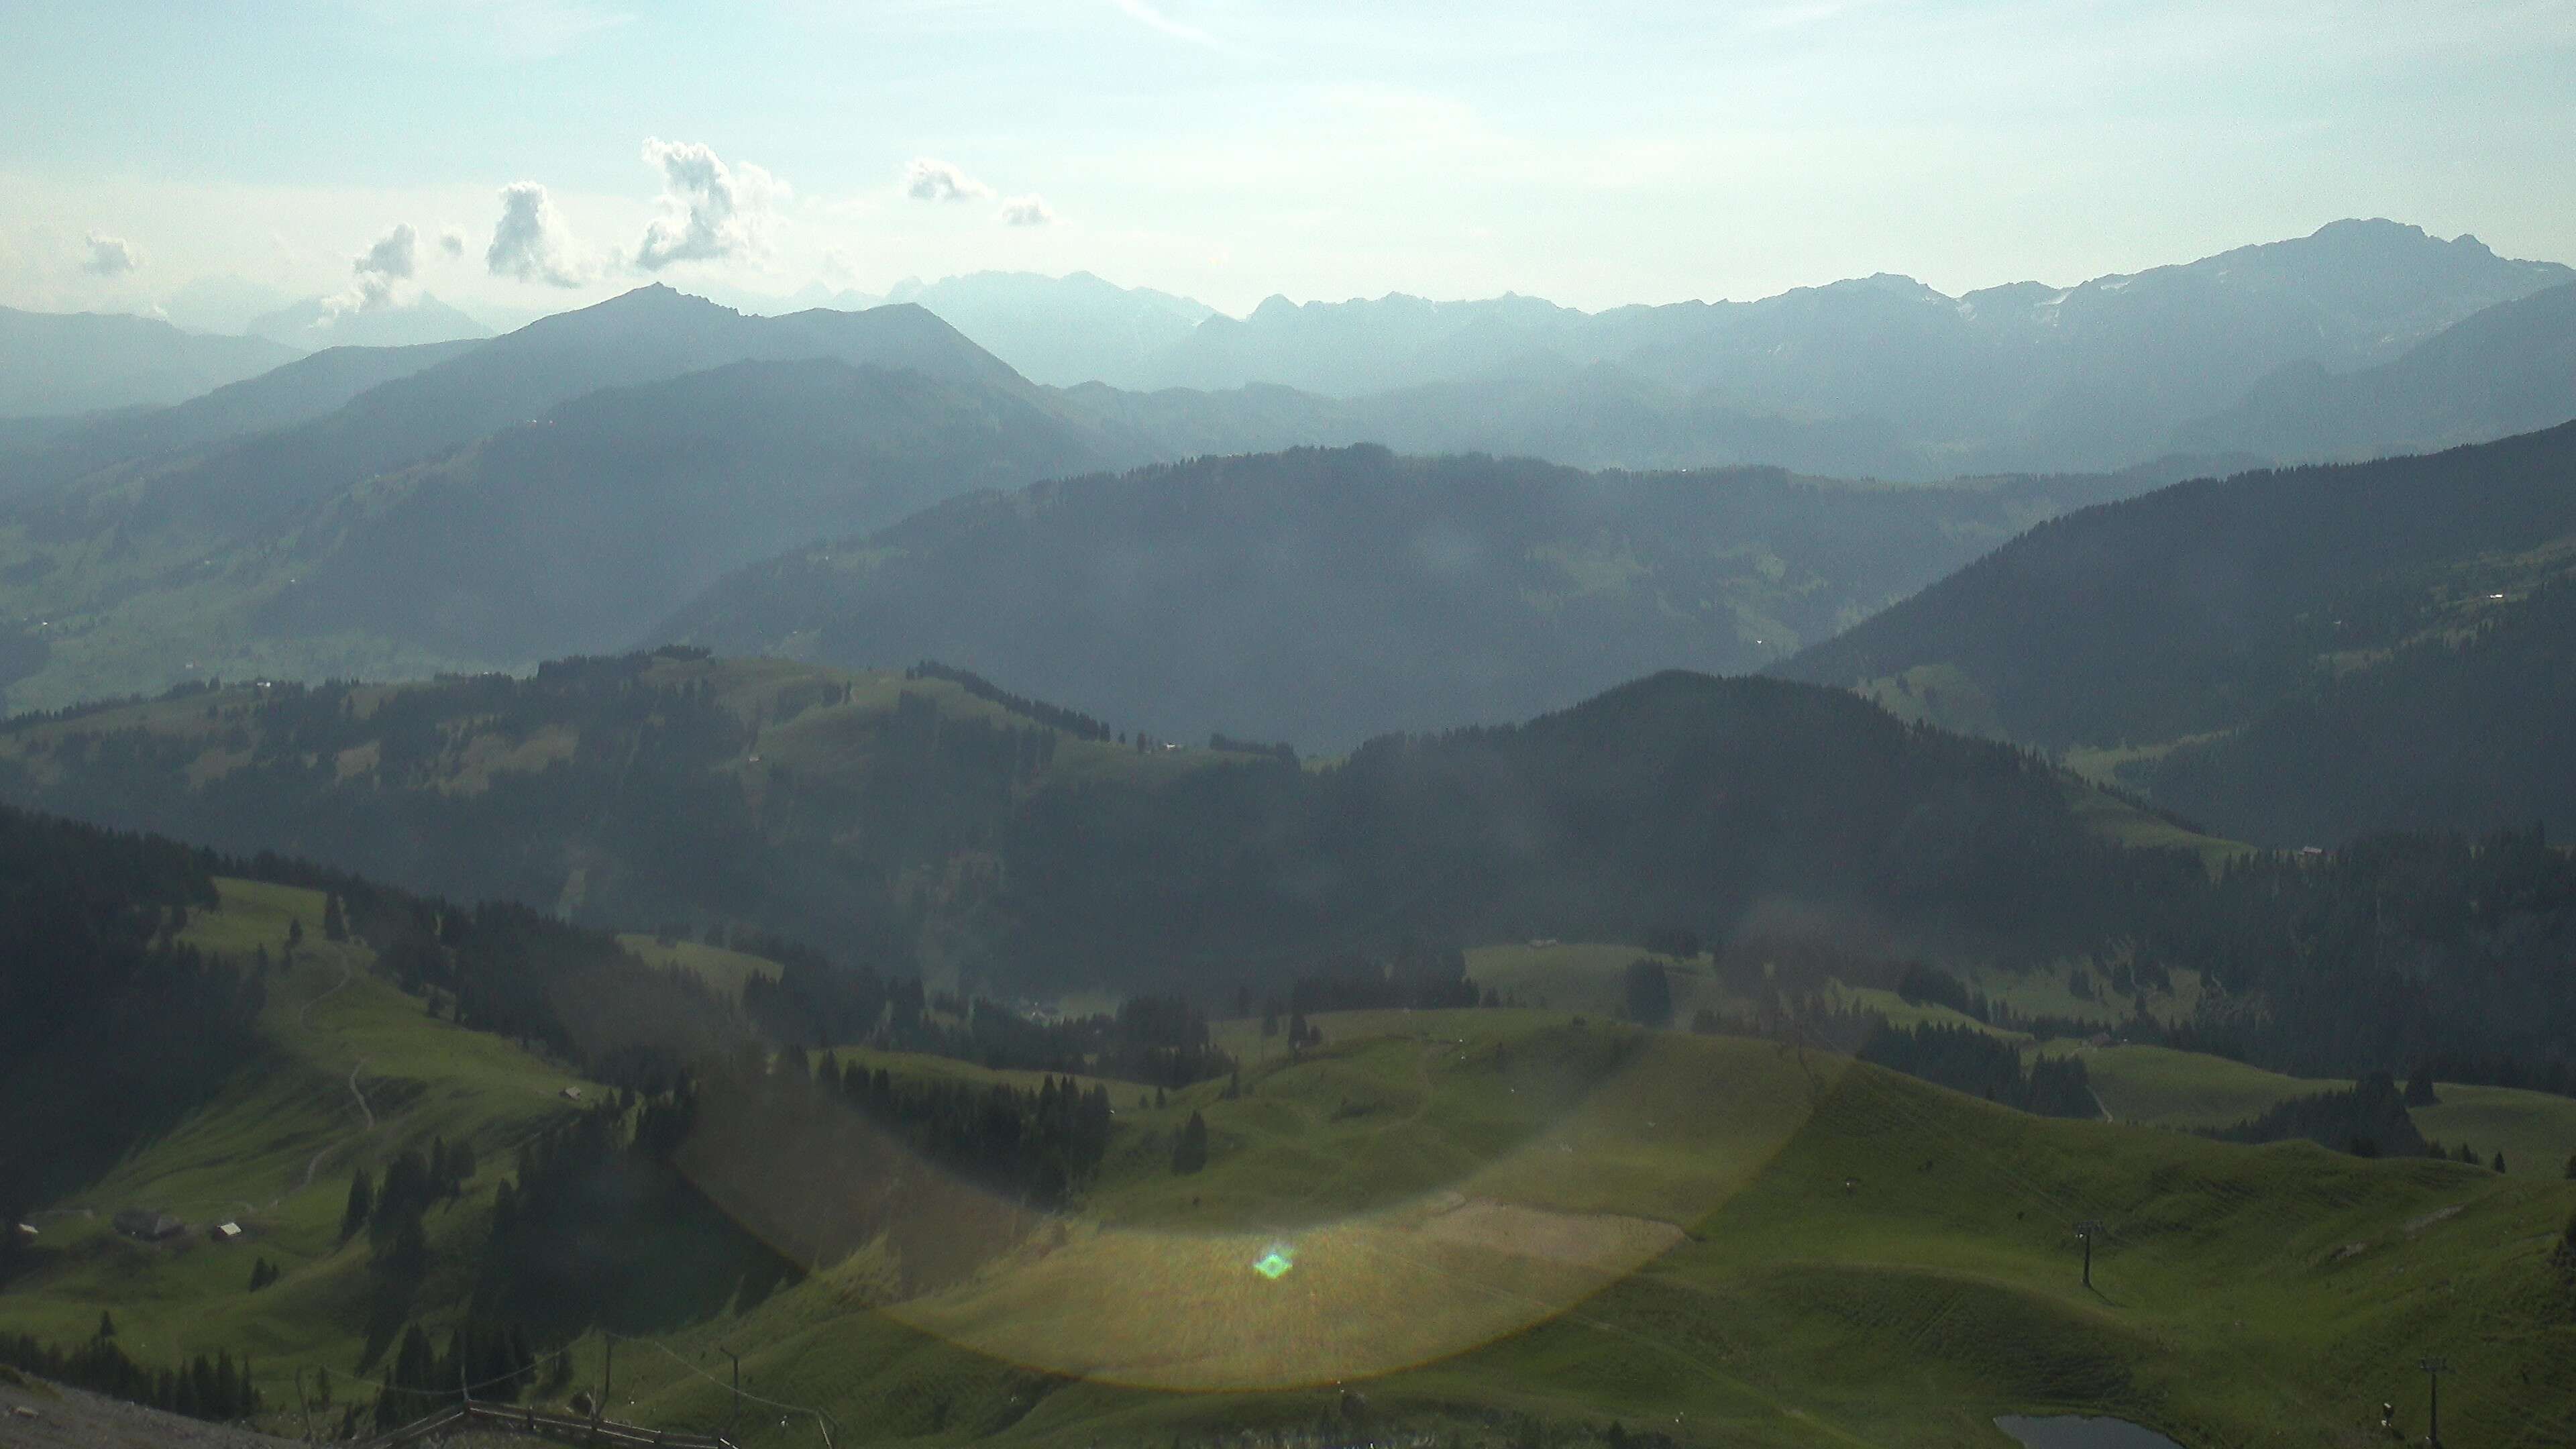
2464	730
1322	596
682	789
470	1143
2205	607
107	1024
935	825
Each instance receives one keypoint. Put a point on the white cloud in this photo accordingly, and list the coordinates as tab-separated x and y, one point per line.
393	259
395	255
1026	211
110	256
531	242
929	180
710	211
451	243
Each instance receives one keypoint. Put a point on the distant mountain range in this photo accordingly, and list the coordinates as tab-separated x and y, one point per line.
316	323
580	483
618	506
56	363
405	509
2509	369
1058	331
2293	656
479	505
2023	377
296	392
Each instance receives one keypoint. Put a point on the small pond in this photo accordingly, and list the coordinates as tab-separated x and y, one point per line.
2069	1431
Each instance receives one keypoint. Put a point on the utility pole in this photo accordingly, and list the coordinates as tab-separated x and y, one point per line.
2088	1230
607	1374
737	1388
302	1405
2434	1368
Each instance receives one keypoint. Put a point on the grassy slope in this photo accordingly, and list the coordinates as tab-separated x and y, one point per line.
1490	1212
725	970
1589	977
2247	1295
2119	821
815	740
2535	1131
247	1153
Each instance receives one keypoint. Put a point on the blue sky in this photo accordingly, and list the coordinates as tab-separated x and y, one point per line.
1593	153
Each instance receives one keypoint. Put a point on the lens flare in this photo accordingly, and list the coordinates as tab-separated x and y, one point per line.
1275	1264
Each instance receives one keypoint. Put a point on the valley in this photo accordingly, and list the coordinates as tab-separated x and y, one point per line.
1548	1222
1019	860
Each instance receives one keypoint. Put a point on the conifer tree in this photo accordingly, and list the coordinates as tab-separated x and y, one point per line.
1190	1148
362	1204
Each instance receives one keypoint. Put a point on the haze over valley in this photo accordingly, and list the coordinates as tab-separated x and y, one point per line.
1177	724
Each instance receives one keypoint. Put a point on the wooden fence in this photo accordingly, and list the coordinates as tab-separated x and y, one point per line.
530	1423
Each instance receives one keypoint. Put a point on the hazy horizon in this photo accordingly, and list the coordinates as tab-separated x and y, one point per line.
524	159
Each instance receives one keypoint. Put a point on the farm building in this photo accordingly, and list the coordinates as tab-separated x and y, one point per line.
572	1094
26	1232
148	1225
228	1232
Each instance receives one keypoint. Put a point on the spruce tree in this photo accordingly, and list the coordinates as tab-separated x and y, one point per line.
1190	1148
362	1204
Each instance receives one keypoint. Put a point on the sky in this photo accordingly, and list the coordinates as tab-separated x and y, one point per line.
519	158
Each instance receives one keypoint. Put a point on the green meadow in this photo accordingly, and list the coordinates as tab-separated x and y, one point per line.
1497	1226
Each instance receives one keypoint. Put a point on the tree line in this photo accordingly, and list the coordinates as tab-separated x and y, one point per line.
212	1386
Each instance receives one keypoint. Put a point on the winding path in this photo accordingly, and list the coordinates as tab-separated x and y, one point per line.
314	1164
304	1018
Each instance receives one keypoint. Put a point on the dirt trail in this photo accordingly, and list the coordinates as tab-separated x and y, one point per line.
313	1164
304	1018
